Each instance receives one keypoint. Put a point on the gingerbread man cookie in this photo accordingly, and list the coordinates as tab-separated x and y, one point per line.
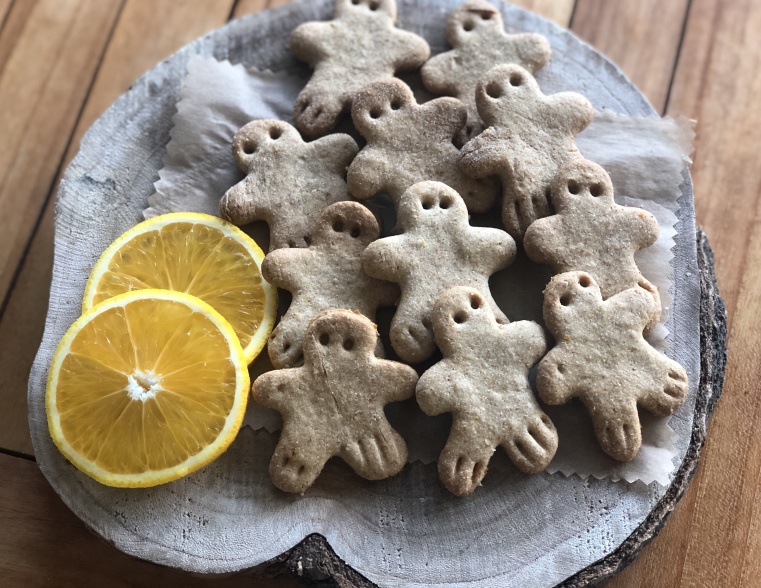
333	404
361	45
591	233
476	33
437	250
602	358
409	143
483	382
326	275
530	136
289	182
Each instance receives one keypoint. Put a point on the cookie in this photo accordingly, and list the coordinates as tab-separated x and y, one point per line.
483	382
591	233
360	46
289	182
436	251
530	137
333	404
602	358
325	276
476	33
409	143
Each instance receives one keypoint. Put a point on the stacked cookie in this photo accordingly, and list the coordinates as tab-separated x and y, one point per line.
438	162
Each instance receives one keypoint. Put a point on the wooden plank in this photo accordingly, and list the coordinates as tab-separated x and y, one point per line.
42	86
243	7
12	23
5	6
645	48
146	33
42	543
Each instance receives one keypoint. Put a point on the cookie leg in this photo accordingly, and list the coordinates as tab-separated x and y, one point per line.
463	461
411	333
553	382
296	462
670	395
617	428
376	455
316	112
286	343
532	445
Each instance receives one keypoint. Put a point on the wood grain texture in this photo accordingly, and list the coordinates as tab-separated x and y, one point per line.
43	83
42	543
5	6
144	34
645	48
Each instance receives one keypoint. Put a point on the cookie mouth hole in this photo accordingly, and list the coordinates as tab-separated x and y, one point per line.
565	300
349	344
561	369
460	318
494	90
585	282
573	187
324	339
275	134
516	79
475	302
468	26
427	204
355	232
291	243
249	148
375	113
595	190
338	225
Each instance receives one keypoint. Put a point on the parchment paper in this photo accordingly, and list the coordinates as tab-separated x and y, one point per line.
645	157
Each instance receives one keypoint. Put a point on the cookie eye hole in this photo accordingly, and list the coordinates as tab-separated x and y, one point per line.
573	187
516	79
460	318
275	133
291	243
561	368
486	16
565	300
595	190
396	104
375	113
355	2
374	6
338	225
585	282
249	147
445	203
324	339
428	203
308	240
494	90
468	25
475	302
355	231
286	346
349	344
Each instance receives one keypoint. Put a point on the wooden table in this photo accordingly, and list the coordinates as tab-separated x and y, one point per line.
62	62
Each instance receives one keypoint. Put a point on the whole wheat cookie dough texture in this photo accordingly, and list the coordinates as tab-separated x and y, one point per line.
530	137
479	42
360	46
409	143
591	233
602	358
325	276
483	382
436	251
333	404
288	182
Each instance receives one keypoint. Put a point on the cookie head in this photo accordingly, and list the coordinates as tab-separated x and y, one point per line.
508	88
347	224
374	108
461	315
472	19
365	8
431	204
568	294
259	137
343	333
580	179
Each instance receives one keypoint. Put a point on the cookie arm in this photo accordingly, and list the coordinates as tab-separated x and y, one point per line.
308	41
491	249
276	389
383	259
553	382
409	50
448	114
368	175
484	155
642	226
439	74
338	151
397	383
538	241
635	307
284	268
438	389
572	112
533	49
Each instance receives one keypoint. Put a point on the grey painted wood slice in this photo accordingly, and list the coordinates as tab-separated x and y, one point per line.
514	531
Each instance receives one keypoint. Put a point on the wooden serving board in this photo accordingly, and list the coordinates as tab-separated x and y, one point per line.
516	530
